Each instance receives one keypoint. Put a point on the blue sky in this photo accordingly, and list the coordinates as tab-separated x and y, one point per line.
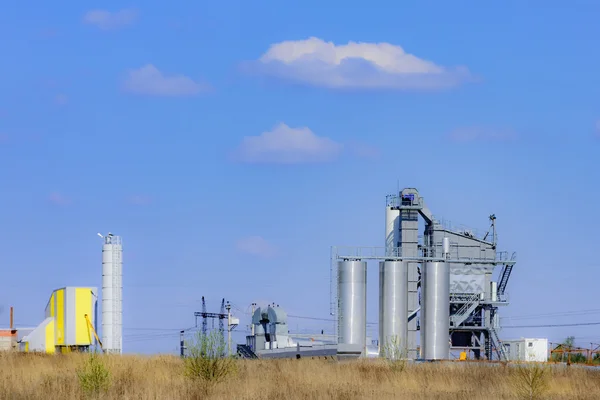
231	144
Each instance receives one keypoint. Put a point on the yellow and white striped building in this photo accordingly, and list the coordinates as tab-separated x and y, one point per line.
66	327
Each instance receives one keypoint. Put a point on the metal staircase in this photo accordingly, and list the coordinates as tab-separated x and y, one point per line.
505	275
497	344
413	314
245	351
471	303
504	278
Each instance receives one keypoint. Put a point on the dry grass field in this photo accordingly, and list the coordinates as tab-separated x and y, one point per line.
32	377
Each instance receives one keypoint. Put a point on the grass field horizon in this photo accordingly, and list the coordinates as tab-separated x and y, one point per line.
39	376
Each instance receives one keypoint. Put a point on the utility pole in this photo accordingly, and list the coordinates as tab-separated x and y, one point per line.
228	308
251	323
181	344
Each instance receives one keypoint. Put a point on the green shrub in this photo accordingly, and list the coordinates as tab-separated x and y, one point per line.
206	360
94	377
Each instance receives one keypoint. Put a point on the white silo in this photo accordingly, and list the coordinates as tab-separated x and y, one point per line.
352	303
112	294
393	308
392	228
435	311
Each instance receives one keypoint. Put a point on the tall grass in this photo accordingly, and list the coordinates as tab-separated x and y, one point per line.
40	377
530	382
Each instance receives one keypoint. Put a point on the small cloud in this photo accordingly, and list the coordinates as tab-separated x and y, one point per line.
356	65
470	134
256	246
107	20
61	99
58	199
285	145
139	200
148	80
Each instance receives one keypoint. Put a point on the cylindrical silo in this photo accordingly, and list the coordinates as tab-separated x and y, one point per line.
393	308
112	288
445	247
352	302
107	297
435	315
392	232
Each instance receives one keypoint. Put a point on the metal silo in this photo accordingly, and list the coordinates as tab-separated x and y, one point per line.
435	311
393	308
352	303
112	298
392	230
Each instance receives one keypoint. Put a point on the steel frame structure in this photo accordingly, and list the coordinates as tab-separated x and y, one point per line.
222	316
472	315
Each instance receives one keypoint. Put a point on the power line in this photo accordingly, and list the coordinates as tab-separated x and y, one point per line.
555	314
552	325
321	319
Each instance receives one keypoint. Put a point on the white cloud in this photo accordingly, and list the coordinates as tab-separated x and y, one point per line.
58	199
355	65
256	246
149	80
285	145
107	20
476	133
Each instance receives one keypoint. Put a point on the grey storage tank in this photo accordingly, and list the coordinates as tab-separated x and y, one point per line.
352	303
393	308
435	311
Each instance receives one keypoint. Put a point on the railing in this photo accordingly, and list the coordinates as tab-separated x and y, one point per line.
463	313
505	297
333	278
459	228
498	345
457	253
394	200
246	352
504	277
461	297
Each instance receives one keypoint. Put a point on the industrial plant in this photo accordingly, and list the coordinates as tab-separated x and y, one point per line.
441	288
71	314
440	291
438	283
